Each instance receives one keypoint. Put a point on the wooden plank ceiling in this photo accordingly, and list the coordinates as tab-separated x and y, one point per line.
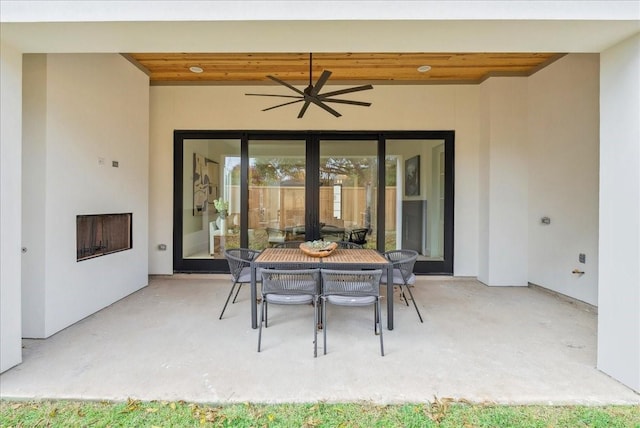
379	68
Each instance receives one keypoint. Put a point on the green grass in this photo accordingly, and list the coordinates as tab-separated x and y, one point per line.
440	413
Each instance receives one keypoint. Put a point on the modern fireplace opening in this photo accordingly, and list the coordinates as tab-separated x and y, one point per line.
102	234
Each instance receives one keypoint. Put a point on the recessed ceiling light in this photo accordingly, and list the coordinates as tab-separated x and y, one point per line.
424	68
195	69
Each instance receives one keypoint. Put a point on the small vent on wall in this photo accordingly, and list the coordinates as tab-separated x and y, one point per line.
101	234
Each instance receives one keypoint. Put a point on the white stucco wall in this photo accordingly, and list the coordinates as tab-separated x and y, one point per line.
10	208
484	165
563	169
619	246
394	107
96	106
502	144
34	197
503	183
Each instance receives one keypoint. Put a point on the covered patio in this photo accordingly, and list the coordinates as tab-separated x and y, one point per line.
478	343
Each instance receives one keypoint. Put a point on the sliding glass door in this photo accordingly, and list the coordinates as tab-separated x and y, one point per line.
206	170
277	199
384	190
348	191
416	194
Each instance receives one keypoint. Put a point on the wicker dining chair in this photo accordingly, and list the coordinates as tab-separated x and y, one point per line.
359	236
290	287
352	288
239	260
403	276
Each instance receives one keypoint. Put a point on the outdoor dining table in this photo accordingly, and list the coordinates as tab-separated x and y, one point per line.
339	259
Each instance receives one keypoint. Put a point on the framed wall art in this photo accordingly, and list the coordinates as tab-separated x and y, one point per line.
412	176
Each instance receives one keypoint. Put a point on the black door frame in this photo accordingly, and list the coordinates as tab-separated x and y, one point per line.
312	138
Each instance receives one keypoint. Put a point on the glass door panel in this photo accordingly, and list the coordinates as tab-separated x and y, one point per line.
348	191
210	172
416	197
277	207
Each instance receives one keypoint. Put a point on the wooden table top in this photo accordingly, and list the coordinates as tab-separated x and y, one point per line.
339	255
283	255
355	256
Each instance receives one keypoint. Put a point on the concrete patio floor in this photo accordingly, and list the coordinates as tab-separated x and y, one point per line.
478	343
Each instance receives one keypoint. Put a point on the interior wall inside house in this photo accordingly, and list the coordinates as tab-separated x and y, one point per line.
96	109
195	225
563	155
394	107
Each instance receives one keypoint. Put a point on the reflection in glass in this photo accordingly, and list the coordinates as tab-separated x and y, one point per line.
415	197
348	191
211	171
347	194
277	175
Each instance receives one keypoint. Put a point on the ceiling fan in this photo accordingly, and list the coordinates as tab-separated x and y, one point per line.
312	93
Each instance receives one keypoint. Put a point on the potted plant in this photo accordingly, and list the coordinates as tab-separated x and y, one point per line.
222	207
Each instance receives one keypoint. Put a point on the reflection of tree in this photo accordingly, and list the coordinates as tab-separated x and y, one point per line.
352	171
235	175
391	166
272	171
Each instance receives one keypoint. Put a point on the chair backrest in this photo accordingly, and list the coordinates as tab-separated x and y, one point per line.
238	259
347	245
359	236
300	281
403	260
289	244
351	282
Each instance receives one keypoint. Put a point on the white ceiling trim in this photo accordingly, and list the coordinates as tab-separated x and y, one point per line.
218	10
319	36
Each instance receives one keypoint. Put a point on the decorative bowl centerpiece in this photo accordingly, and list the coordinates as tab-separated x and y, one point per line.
318	248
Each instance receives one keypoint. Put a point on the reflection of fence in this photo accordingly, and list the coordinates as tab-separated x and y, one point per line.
390	211
277	206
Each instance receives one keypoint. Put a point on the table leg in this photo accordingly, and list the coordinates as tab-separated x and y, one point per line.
390	298
254	298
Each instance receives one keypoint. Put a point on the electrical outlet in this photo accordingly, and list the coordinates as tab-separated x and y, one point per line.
114	164
101	161
582	258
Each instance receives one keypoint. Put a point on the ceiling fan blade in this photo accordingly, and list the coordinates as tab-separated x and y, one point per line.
321	81
282	82
303	109
275	95
322	105
336	100
311	94
345	91
283	104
